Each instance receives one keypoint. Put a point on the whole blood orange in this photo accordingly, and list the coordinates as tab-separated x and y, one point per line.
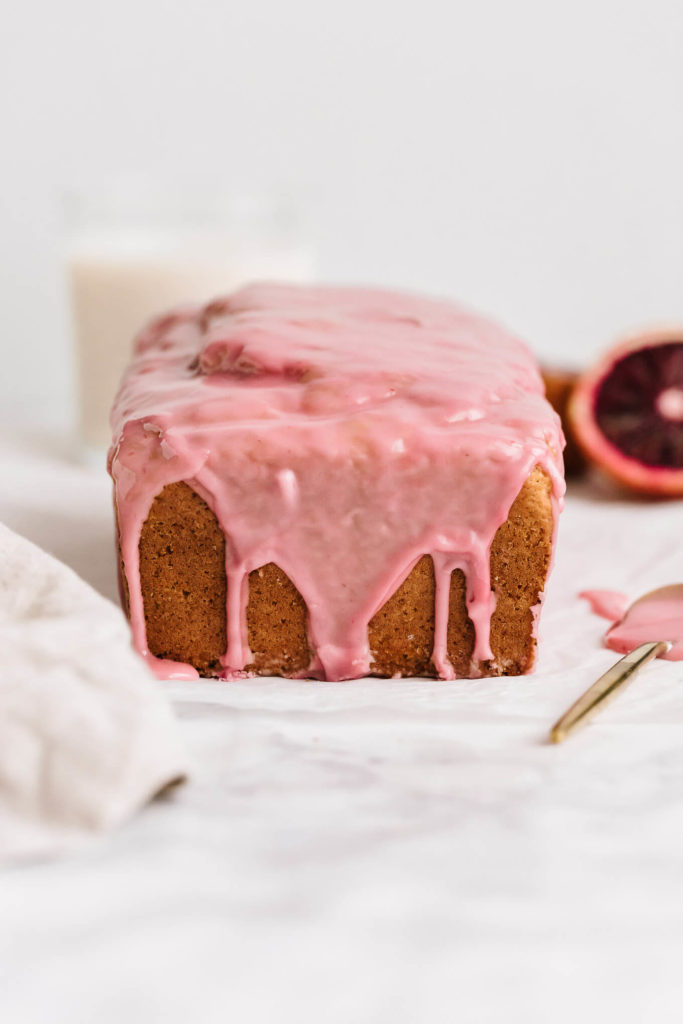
627	412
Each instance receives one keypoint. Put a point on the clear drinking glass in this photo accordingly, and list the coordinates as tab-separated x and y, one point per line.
135	251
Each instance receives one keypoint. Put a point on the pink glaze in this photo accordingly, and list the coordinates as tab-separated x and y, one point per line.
342	434
609	604
165	669
657	616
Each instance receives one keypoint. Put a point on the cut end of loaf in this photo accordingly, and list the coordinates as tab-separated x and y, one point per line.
184	587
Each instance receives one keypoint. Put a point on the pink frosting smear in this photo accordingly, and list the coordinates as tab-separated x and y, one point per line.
656	617
340	433
608	604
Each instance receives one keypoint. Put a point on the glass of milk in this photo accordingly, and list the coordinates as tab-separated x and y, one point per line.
134	252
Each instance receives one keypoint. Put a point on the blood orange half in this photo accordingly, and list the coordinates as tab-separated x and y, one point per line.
627	412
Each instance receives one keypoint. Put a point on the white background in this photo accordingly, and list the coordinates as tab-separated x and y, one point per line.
526	157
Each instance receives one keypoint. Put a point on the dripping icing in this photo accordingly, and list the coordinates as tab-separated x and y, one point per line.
341	434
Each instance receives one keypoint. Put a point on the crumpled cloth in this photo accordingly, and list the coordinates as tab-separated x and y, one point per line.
87	736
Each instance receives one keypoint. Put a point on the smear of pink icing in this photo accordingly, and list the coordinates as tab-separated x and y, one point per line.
342	434
656	618
609	604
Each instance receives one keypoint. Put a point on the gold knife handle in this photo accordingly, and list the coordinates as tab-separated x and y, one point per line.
605	689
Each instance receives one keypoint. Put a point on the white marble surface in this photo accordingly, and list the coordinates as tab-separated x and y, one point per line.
399	851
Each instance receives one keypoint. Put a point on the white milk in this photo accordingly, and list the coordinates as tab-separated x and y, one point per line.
118	284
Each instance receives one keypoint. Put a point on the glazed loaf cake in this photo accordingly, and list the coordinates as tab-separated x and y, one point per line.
333	482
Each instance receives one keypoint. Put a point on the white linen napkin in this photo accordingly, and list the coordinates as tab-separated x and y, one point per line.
86	734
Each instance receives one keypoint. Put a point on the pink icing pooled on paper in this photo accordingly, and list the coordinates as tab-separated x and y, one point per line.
608	604
657	617
342	434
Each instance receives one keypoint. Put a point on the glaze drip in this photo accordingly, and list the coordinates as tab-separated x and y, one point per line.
340	434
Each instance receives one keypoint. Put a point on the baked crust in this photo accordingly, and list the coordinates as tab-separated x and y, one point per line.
184	588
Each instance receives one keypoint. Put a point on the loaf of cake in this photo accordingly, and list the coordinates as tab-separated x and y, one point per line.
334	482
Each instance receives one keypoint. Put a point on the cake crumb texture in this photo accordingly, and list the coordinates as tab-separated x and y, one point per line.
182	573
